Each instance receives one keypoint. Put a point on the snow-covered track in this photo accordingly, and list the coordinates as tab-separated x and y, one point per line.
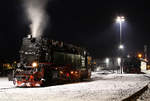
102	87
136	95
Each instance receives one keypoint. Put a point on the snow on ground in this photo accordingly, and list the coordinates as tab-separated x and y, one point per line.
104	86
4	83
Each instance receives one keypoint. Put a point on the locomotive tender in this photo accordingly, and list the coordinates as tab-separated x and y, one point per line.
44	61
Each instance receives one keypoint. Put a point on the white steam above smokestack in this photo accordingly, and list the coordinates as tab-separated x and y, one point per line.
36	13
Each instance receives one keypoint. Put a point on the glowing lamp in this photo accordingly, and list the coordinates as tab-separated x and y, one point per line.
121	46
34	64
120	19
76	72
61	72
71	72
139	55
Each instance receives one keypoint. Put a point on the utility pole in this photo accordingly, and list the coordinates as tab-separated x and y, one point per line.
145	52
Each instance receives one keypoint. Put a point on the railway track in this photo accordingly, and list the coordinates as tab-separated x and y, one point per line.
141	95
136	96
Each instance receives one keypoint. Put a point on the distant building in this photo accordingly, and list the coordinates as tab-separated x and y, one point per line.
143	65
107	64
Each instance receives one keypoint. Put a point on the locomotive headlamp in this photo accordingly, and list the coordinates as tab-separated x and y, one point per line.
34	64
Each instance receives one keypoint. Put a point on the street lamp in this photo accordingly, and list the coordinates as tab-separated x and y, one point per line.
121	47
119	61
107	62
120	20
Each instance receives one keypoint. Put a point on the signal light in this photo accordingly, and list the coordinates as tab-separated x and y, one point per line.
67	75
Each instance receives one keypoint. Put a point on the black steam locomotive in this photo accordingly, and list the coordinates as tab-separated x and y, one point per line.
44	61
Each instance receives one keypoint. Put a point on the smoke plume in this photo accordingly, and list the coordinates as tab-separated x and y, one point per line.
36	13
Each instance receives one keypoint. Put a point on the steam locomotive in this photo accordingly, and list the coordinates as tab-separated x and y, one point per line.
44	61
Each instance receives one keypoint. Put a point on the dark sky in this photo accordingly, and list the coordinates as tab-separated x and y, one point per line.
89	23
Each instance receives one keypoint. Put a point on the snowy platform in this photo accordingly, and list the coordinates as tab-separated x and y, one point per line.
102	87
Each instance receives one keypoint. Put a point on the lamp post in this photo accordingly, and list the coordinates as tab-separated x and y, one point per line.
120	20
107	62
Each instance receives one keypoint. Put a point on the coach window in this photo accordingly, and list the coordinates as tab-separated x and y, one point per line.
83	62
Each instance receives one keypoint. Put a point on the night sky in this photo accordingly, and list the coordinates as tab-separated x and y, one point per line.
87	23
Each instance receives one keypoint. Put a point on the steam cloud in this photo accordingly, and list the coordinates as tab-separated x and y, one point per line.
36	13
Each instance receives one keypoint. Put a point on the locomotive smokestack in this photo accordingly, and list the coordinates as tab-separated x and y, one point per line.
36	13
